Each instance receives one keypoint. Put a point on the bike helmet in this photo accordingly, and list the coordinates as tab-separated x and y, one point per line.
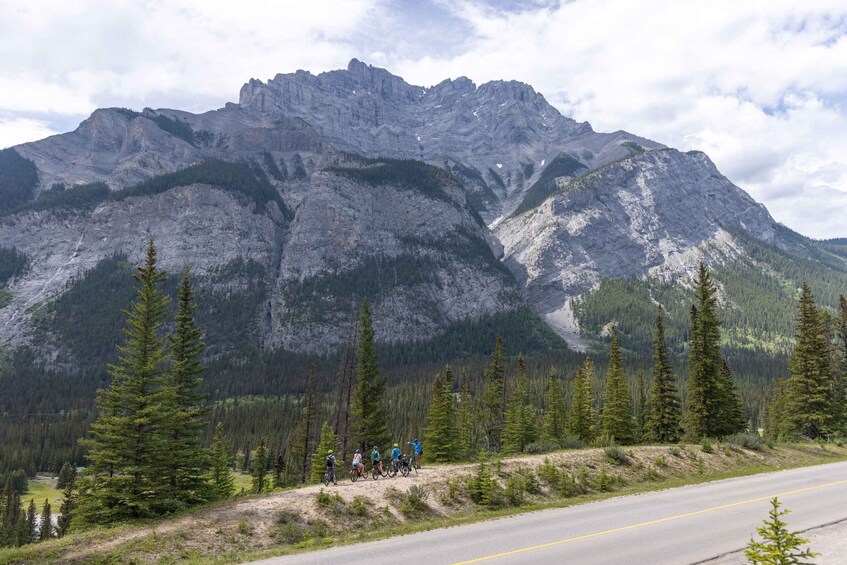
376	447
395	445
358	451
329	452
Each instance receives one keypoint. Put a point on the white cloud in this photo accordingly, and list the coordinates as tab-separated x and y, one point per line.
754	84
18	130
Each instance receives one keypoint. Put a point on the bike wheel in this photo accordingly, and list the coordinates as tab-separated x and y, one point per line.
327	480
404	470
375	473
353	476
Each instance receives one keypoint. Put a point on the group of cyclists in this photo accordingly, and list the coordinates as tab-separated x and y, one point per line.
357	469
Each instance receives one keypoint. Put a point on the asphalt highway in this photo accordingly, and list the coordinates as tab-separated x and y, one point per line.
677	526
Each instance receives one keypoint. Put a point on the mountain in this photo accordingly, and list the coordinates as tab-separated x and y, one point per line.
450	206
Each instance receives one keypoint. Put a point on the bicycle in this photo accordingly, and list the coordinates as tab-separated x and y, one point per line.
406	466
358	473
393	468
330	476
378	471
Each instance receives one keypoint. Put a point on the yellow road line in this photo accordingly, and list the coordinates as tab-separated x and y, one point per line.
642	524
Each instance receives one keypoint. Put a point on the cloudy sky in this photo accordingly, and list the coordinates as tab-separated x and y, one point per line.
761	86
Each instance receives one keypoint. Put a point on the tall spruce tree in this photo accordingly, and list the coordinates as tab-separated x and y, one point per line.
344	394
640	407
441	428
45	528
466	420
839	373
664	414
369	399
31	533
703	407
553	418
260	468
519	428
220	474
128	450
731	418
326	443
581	417
66	510
809	391
616	419
303	438
493	397
184	422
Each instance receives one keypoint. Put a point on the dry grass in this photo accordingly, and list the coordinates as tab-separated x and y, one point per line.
295	520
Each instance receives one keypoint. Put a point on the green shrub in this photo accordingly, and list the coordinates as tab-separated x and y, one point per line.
244	528
605	482
675	451
548	473
515	489
542	446
571	442
660	461
616	455
568	486
413	501
749	441
706	445
289	534
318	529
329	501
359	506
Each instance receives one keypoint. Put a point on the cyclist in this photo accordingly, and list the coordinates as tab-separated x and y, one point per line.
330	466
417	446
376	459
357	463
395	458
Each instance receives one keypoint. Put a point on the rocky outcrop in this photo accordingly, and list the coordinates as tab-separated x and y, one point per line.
659	213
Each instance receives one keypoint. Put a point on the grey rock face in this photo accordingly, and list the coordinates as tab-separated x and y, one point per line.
345	230
658	213
499	127
198	224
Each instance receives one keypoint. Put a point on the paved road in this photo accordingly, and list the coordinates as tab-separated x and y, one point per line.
676	526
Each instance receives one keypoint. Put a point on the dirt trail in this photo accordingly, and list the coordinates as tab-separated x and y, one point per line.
254	523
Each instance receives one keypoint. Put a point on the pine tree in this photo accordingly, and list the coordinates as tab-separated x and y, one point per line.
553	419
664	414
581	417
304	436
260	468
731	418
777	422
31	534
640	407
220	475
703	404
184	422
369	399
778	546
616	419
493	397
12	515
465	420
64	473
45	530
519	427
128	448
66	510
441	430
326	443
839	373
809	392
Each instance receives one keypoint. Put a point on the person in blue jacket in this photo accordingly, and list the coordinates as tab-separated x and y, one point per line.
418	447
395	458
